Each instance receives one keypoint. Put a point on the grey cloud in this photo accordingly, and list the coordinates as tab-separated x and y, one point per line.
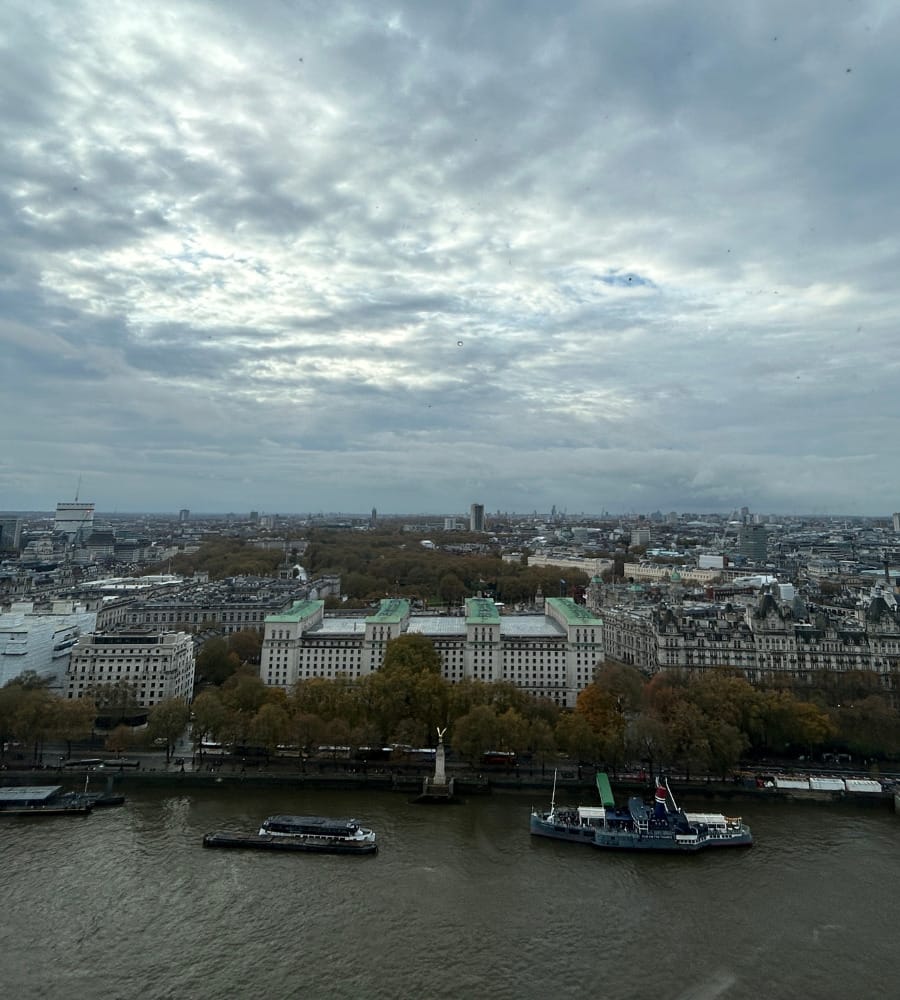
443	247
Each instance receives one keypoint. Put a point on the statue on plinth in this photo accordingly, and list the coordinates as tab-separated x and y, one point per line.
440	776
438	789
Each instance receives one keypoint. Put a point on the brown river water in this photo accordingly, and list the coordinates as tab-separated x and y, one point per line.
459	902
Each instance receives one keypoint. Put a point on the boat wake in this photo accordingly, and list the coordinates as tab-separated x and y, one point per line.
718	984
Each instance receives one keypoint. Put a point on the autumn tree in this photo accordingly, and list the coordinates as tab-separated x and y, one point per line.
646	738
576	737
167	721
451	589
623	682
605	713
476	732
306	729
271	725
771	726
464	695
247	644
726	745
216	663
328	699
839	688
412	651
243	694
210	718
784	724
724	694
408	691
31	714
541	739
13	697
811	726
869	727
72	719
120	739
512	732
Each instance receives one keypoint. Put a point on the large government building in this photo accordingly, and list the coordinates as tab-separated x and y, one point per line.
230	605
155	663
550	655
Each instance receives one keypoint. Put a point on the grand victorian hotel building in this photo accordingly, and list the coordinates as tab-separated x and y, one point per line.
764	638
552	655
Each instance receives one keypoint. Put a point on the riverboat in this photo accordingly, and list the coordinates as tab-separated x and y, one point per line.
314	834
659	826
102	799
43	800
578	824
663	826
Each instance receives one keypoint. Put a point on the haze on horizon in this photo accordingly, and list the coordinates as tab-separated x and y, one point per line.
300	257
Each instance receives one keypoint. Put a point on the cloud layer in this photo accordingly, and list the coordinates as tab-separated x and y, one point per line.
306	256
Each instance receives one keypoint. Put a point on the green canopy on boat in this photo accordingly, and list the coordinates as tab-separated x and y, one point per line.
606	795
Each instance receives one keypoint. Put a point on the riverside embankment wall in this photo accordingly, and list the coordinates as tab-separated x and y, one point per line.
570	787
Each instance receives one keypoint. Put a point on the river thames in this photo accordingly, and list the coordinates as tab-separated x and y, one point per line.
460	902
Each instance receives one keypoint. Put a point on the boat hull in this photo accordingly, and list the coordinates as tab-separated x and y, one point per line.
81	809
265	843
555	830
101	800
626	841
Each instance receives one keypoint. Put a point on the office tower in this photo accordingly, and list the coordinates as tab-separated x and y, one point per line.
752	542
10	534
75	520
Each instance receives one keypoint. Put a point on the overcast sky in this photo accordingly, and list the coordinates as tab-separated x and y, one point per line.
324	256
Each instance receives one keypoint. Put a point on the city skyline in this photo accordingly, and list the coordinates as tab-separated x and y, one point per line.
413	257
463	517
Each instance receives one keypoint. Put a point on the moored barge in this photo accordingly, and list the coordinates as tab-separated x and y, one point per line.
43	800
312	834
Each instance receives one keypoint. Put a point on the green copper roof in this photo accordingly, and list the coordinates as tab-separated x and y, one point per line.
299	610
391	611
574	614
481	611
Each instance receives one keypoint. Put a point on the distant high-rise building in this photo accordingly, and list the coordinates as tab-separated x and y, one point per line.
184	514
640	536
10	534
752	542
897	522
254	516
373	520
75	520
476	517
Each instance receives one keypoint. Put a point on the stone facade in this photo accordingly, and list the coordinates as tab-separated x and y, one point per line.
157	664
765	640
551	655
